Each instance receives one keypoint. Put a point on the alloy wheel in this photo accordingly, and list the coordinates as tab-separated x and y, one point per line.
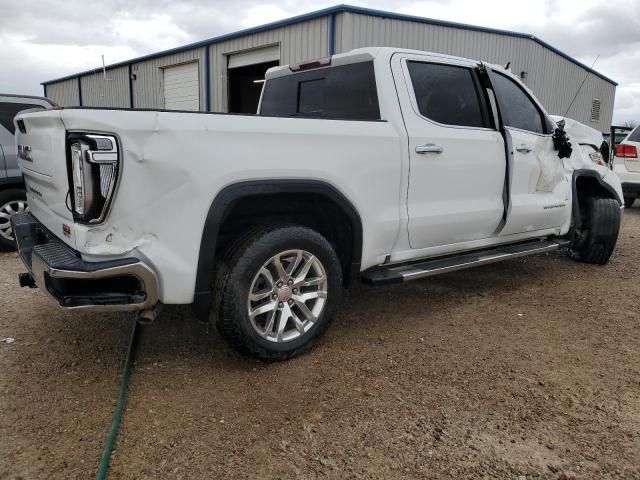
287	295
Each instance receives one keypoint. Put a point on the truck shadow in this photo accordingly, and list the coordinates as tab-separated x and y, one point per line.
177	334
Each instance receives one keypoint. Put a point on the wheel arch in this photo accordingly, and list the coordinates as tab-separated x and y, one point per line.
586	183
229	197
11	182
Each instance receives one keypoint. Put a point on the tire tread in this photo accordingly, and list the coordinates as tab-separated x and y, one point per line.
604	226
236	261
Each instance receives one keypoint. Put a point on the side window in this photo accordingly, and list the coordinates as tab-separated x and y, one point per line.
517	109
345	92
9	110
446	94
634	136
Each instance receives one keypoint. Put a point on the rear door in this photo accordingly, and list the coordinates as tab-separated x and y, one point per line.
6	142
456	156
539	195
8	110
631	160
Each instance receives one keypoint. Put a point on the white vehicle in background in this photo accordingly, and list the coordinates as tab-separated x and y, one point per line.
626	164
382	165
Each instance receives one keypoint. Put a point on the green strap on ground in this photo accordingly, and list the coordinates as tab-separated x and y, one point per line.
122	397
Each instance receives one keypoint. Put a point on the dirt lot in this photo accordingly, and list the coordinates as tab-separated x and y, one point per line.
527	369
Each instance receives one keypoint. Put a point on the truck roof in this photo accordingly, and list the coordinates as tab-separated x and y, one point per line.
368	54
12	97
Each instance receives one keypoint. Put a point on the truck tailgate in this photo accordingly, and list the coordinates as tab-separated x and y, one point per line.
44	165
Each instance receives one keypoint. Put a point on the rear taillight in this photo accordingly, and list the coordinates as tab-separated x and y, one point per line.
624	150
94	164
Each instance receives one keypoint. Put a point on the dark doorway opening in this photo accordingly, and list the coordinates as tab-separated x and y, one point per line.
245	85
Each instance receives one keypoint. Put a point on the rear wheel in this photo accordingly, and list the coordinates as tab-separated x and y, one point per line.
598	237
280	288
628	201
12	201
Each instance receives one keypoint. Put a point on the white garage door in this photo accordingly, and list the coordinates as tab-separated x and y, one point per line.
181	87
256	55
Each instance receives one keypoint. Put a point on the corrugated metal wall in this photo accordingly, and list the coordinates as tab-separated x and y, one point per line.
552	78
298	42
147	87
110	92
64	93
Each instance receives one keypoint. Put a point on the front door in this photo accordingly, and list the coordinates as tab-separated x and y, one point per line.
456	156
539	193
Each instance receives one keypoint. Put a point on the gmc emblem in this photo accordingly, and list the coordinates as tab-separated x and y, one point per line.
24	153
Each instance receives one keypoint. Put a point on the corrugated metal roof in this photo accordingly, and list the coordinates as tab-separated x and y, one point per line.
330	11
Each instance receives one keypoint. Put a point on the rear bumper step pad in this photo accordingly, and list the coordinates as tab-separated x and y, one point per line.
119	284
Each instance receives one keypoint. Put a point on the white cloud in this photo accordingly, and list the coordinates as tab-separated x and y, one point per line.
263	14
158	32
45	39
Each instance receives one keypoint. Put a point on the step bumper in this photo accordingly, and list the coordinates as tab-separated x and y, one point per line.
122	284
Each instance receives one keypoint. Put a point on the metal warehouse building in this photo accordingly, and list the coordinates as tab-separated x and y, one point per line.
223	74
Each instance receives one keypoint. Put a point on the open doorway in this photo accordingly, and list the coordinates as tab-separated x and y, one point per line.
245	85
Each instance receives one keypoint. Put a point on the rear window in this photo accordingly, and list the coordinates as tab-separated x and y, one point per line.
634	136
446	94
9	110
345	92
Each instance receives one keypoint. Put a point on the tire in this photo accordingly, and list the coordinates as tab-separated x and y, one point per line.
12	200
295	313
598	239
628	202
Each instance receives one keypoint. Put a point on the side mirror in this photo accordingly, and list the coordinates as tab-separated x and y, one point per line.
605	150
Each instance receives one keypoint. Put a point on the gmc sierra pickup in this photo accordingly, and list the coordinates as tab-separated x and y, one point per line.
382	165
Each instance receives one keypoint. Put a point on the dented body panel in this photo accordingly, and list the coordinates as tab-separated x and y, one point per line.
175	164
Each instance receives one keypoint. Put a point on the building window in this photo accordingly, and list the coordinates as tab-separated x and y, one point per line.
595	110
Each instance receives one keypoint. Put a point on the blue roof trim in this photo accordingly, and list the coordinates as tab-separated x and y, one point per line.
331	11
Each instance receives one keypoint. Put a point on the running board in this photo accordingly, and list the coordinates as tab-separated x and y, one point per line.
411	271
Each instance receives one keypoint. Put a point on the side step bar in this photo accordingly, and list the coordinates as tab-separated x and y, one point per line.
411	271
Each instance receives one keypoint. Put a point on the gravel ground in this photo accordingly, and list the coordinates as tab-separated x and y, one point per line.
525	369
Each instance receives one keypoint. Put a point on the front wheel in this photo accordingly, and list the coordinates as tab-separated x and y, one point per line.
12	201
598	237
279	292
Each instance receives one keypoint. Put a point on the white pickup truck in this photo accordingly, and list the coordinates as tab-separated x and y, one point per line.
379	165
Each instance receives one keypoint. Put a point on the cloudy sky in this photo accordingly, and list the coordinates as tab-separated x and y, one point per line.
44	39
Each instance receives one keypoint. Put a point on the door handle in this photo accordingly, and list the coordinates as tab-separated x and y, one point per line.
429	148
523	148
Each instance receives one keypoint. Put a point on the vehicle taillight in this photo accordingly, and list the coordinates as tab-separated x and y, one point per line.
94	164
624	150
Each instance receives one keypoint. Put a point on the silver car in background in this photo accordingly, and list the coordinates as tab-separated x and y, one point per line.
12	194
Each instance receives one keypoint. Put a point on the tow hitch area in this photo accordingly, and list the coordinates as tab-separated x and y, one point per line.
115	284
26	280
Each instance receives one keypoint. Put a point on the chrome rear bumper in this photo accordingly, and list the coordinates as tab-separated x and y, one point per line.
122	284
